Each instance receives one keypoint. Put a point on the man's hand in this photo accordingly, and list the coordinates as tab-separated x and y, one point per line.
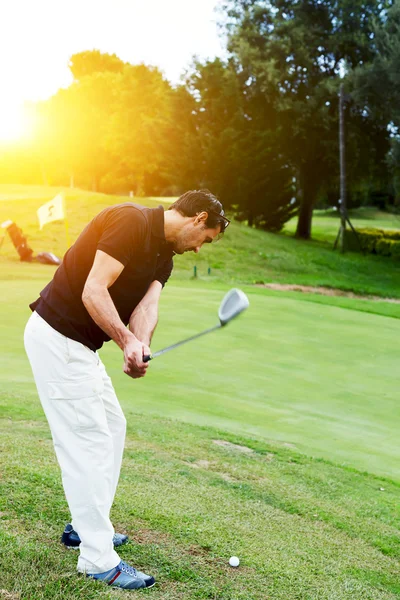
134	350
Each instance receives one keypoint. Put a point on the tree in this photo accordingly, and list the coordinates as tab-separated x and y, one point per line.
74	125
293	52
376	84
138	128
90	62
238	136
182	152
109	127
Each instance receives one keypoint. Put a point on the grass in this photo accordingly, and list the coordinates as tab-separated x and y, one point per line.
326	222
311	508
274	440
303	529
245	256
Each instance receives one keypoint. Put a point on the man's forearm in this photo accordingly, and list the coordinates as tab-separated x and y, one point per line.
144	318
101	308
143	323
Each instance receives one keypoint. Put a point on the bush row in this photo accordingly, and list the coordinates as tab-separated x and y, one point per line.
385	242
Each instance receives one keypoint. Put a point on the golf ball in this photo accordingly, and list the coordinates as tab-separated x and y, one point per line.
234	561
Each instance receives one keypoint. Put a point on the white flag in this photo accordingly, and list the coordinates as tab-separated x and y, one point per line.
51	211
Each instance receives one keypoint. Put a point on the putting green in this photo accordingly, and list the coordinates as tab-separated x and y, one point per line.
320	377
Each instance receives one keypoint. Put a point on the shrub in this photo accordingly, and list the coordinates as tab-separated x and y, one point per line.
369	238
396	249
391	234
384	242
383	247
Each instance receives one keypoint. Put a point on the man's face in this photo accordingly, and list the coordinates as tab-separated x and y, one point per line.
194	234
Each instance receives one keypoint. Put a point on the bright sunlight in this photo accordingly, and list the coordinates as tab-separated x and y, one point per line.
14	122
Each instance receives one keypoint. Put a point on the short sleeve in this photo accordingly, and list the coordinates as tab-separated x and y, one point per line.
164	271
123	233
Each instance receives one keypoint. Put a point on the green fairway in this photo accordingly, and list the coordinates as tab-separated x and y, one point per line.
217	454
318	376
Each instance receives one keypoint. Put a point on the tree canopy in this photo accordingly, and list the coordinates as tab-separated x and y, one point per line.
260	129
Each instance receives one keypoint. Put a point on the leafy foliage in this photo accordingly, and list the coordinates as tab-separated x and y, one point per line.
293	53
88	63
260	129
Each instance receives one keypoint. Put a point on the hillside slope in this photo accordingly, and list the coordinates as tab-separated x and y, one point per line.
244	255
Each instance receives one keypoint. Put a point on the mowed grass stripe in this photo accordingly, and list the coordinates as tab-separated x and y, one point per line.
316	376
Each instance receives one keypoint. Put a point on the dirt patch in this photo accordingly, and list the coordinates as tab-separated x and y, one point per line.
231	446
148	536
323	291
227	477
288	445
197	551
200	464
5	595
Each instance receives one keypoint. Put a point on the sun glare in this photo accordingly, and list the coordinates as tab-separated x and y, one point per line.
13	123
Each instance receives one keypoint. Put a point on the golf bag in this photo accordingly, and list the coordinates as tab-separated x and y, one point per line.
20	242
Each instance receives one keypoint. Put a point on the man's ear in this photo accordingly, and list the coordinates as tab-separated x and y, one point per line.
201	218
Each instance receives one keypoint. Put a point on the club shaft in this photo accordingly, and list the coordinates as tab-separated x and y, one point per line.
189	339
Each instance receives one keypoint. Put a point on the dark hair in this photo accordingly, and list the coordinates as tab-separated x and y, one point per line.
195	201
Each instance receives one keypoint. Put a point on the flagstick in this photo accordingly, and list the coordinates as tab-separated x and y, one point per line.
67	233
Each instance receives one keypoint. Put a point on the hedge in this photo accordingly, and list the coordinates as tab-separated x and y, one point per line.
385	242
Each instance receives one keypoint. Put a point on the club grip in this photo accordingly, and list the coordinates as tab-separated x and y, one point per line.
147	357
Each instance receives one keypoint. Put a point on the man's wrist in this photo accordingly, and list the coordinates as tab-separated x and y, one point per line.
126	337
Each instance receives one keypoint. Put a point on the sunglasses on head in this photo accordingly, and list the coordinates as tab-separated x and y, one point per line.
224	222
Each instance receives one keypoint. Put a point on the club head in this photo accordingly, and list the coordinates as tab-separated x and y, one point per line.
233	303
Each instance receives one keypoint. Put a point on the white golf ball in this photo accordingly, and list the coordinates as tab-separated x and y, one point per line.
234	561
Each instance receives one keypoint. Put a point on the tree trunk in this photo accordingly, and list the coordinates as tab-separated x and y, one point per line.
308	197
303	229
343	207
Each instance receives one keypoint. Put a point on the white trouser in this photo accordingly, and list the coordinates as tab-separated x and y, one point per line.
88	429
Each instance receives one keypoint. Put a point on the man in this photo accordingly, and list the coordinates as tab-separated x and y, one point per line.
111	277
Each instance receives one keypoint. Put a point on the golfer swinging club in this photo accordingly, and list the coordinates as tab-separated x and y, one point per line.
111	277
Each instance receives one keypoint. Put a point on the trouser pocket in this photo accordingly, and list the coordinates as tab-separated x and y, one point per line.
77	404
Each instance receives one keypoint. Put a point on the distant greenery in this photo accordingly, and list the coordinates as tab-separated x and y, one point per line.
326	222
376	84
245	255
294	54
260	129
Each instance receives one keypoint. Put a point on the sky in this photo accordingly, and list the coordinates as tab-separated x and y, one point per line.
37	37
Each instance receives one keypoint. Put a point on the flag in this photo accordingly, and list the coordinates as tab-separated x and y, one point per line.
51	211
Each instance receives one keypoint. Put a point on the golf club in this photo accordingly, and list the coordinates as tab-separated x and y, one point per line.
233	303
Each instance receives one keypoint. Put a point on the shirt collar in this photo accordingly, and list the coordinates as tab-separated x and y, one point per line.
157	226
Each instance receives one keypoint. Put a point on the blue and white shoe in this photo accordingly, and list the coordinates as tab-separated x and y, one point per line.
71	539
124	576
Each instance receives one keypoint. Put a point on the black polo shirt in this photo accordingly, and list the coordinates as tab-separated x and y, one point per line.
132	234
